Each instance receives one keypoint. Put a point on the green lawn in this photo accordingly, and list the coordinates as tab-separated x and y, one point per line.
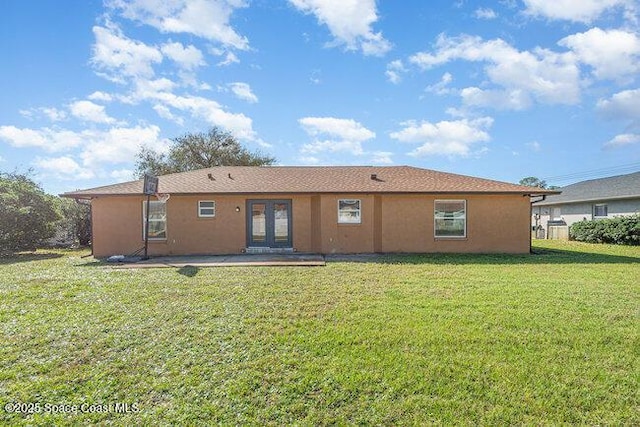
537	339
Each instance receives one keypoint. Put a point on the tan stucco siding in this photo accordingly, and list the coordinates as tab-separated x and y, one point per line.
495	223
389	223
346	238
117	225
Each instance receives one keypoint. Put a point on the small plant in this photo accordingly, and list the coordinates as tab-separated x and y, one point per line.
624	230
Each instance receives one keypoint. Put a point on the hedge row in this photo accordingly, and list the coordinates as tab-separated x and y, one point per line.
624	230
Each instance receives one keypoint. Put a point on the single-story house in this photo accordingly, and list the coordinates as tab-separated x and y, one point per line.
587	200
351	209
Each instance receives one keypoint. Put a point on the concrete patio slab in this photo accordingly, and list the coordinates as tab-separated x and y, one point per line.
244	260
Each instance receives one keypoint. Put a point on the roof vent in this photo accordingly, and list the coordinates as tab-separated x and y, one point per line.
230	177
374	177
210	177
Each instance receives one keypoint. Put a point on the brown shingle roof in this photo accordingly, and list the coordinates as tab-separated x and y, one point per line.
311	179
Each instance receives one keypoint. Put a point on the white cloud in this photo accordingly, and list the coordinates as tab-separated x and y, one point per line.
623	105
208	19
453	138
122	174
100	96
613	54
243	91
546	76
381	157
47	139
339	135
146	89
229	58
623	140
188	58
119	57
349	21
394	72
159	93
164	112
442	87
54	114
514	99
97	147
485	13
51	113
63	168
120	144
90	112
584	11
211	112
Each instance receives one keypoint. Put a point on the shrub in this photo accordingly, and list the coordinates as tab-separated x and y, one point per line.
623	230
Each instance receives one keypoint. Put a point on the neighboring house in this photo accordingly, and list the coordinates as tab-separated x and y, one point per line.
225	210
587	200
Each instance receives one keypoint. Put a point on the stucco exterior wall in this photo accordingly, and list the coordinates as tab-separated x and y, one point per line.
495	224
346	238
389	223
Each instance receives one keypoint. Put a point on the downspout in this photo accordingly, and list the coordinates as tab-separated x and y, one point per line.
542	199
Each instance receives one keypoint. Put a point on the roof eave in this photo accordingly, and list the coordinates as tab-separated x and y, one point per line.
596	199
251	193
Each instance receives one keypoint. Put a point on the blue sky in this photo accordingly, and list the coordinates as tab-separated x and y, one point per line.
501	89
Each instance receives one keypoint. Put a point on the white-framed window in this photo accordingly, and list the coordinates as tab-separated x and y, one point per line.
349	211
556	214
600	210
157	220
450	218
206	208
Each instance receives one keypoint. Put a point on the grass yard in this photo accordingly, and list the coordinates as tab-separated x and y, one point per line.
551	338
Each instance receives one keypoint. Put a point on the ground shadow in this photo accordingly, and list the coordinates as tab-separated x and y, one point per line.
189	270
27	257
539	256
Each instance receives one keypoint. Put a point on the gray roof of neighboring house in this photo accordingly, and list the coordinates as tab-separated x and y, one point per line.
309	179
601	189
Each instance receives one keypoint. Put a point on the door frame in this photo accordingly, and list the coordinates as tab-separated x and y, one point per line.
269	223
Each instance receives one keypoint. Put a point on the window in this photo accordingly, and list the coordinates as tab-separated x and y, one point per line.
600	211
348	211
556	214
450	218
157	220
206	208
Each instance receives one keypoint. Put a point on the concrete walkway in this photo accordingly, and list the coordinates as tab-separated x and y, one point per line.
308	260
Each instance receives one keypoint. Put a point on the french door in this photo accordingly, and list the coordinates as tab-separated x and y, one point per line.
269	223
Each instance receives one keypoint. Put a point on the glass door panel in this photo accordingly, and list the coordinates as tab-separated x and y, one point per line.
269	223
281	223
259	223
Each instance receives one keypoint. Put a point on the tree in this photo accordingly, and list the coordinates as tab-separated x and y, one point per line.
197	151
27	214
532	181
74	227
